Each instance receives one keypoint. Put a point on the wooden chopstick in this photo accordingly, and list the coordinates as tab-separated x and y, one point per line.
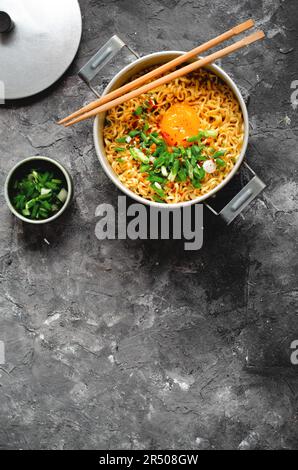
162	69
172	76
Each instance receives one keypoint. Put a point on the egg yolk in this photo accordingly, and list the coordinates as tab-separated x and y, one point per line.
178	123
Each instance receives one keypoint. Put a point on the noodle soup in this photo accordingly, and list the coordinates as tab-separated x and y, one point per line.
177	142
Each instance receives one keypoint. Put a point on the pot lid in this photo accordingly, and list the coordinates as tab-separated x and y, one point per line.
38	41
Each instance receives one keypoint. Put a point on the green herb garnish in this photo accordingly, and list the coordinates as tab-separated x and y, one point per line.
155	178
133	133
220	162
121	140
137	154
166	164
39	195
219	153
158	189
157	199
144	168
202	134
138	111
174	171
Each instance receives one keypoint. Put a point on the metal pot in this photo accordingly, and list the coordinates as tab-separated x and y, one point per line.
109	50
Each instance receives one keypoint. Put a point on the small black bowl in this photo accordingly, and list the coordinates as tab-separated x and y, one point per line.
22	168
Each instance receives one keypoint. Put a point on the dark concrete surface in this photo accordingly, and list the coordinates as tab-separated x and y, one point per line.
140	345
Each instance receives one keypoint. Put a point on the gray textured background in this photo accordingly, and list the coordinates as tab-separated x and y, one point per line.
139	345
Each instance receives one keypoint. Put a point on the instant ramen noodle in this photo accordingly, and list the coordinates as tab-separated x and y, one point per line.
177	142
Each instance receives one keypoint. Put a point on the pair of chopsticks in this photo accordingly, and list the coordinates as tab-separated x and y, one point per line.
137	87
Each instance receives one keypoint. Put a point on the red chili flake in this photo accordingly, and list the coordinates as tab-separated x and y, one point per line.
152	105
167	138
165	135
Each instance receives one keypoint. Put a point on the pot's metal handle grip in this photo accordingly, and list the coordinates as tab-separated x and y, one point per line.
101	58
242	199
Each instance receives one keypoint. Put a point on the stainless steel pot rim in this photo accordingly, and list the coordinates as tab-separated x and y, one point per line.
110	172
69	189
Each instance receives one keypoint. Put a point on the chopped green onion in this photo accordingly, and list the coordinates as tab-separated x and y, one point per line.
182	175
50	185
196	150
34	175
45	196
144	168
138	111
201	134
193	160
133	133
157	199
157	151
43	212
30	203
220	162
44	191
44	178
62	196
210	133
120	149
189	169
195	138
158	189
137	154
164	171
174	171
199	172
202	158
155	139
219	153
144	137
34	211
121	140
158	162
170	158
46	205
162	147
155	179
196	184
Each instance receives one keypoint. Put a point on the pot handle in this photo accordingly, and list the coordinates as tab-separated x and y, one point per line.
247	194
101	58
